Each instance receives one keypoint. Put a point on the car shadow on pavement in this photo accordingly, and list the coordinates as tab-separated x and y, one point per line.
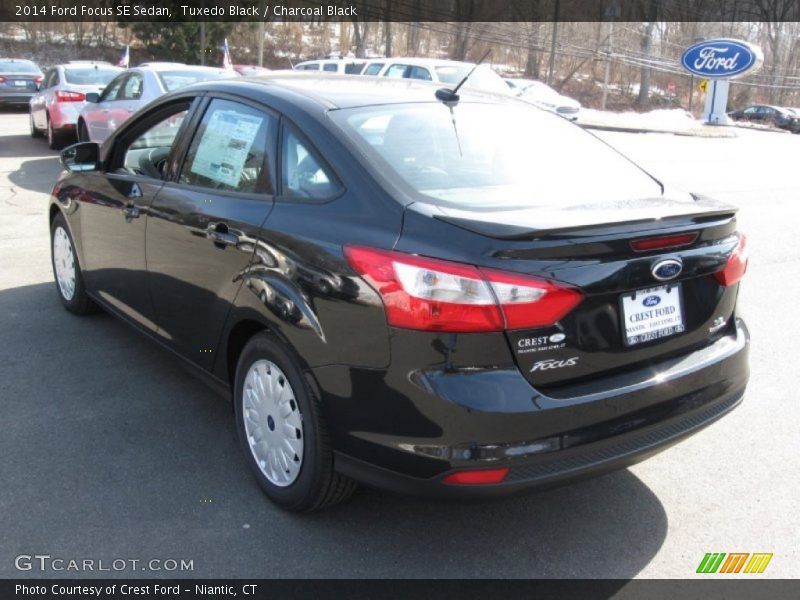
111	449
36	175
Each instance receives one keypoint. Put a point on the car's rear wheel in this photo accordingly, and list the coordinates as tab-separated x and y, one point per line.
54	138
282	431
66	270
35	131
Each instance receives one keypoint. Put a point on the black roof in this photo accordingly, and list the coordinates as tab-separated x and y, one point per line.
331	91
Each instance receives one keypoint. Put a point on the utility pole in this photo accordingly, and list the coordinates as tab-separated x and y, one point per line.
612	12
261	31
202	42
553	47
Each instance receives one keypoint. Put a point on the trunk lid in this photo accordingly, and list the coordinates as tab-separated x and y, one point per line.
590	250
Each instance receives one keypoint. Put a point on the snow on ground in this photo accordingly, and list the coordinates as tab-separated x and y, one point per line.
670	120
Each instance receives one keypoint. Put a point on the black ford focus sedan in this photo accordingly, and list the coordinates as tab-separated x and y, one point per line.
436	293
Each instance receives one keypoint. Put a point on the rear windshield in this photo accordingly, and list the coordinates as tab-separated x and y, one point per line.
493	156
90	75
173	80
18	66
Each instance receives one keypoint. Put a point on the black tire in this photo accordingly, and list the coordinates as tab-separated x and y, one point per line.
35	132
317	485
54	138
83	133
80	303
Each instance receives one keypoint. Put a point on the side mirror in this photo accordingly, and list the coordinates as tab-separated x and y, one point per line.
93	97
81	157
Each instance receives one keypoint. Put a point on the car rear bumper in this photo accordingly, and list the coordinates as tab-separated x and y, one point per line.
677	398
15	98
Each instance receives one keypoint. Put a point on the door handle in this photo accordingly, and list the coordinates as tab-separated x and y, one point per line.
131	211
219	234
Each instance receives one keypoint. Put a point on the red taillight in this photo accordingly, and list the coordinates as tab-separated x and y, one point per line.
37	79
64	96
736	266
481	477
664	241
2	79
437	295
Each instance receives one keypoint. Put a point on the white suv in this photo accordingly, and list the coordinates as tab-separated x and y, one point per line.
343	66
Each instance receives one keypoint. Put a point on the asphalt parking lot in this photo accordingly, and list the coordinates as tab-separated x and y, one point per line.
110	450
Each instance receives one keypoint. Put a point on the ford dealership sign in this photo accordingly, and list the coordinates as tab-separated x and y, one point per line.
721	58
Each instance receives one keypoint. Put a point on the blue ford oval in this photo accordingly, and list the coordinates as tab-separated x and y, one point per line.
720	58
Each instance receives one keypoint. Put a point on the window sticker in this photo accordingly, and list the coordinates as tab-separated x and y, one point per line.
225	146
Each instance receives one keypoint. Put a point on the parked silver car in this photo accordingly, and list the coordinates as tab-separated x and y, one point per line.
57	104
19	80
134	89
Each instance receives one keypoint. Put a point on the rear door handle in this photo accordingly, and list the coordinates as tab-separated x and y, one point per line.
221	237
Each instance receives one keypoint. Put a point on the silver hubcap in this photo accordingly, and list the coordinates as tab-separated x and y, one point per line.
64	262
273	423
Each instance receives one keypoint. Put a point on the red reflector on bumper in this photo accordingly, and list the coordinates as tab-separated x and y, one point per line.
484	476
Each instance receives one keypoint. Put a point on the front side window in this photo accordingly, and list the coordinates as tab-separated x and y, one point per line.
148	152
132	88
303	174
112	90
419	73
353	68
506	155
229	149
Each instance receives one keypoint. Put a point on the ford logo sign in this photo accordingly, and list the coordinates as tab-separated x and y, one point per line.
651	301
667	269
721	58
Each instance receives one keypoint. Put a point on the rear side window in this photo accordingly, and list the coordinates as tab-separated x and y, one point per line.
229	149
330	67
353	68
373	69
304	175
396	71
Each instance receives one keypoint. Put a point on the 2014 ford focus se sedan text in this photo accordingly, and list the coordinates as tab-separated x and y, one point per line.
441	293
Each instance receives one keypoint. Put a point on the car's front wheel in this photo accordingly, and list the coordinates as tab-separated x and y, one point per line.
66	270
282	431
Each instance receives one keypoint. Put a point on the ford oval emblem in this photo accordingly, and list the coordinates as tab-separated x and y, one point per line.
667	269
721	58
557	337
651	301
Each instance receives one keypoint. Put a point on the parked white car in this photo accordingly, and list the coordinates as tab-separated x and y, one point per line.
544	96
449	72
343	66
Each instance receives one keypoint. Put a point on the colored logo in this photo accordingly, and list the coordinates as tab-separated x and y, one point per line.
667	269
651	301
736	562
721	58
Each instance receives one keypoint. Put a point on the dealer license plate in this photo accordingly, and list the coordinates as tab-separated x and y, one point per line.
652	313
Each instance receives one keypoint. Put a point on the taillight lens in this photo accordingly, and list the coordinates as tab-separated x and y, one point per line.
37	79
481	477
2	79
436	295
736	266
65	96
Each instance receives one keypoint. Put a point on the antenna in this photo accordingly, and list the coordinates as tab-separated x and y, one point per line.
448	95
